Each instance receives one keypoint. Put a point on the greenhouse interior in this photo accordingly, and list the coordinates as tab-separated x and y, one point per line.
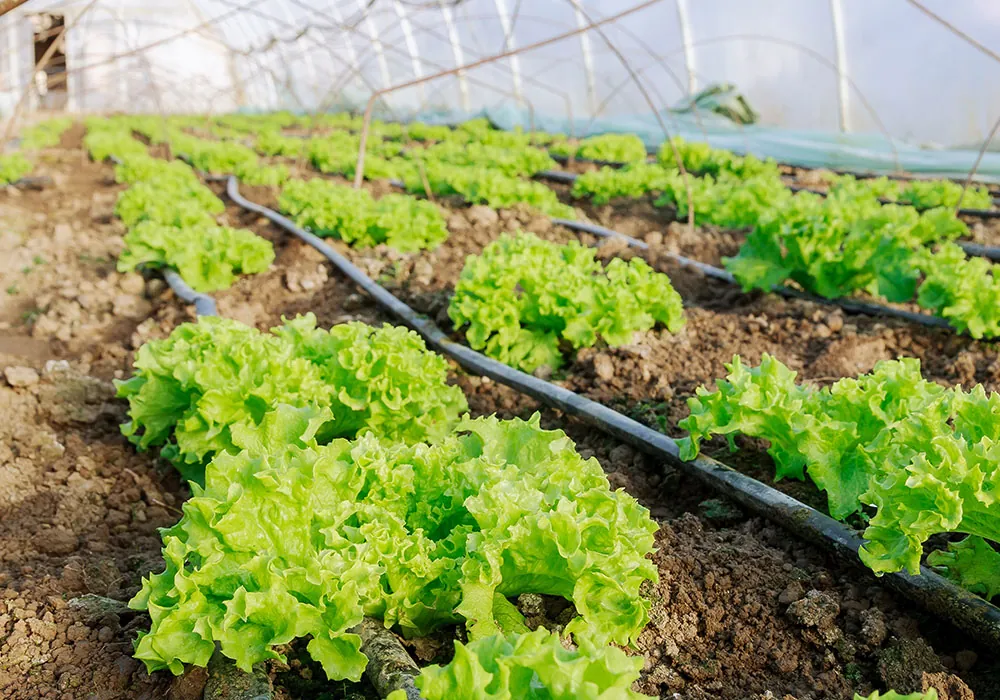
500	350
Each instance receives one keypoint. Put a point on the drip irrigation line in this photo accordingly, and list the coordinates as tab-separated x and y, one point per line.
976	249
557	176
968	612
858	307
982	251
204	305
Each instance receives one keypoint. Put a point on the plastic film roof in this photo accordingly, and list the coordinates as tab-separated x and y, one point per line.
847	66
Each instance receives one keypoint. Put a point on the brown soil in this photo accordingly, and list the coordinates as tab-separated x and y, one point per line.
741	610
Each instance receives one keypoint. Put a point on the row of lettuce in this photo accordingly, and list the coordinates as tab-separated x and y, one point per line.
522	301
18	164
334	477
172	217
837	245
271	136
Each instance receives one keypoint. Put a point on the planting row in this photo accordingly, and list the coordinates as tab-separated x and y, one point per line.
362	491
171	216
18	164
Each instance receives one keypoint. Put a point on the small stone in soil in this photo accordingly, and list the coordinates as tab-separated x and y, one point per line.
873	628
21	376
604	368
57	541
817	609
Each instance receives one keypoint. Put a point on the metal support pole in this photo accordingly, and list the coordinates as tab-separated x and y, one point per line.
509	44
411	47
684	22
843	87
588	59
456	51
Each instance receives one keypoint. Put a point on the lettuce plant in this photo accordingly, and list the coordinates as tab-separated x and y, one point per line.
46	134
400	221
288	540
207	256
632	182
190	388
170	201
924	457
609	148
142	167
419	131
701	159
531	665
522	161
928	194
106	138
13	166
271	142
965	290
522	296
836	246
481	184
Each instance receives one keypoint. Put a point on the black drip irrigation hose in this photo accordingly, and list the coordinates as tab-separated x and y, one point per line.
858	307
982	251
968	612
204	305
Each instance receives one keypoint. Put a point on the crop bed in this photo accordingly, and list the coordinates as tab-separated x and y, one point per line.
741	610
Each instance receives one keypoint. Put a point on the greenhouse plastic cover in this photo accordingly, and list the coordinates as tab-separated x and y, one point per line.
849	84
815	149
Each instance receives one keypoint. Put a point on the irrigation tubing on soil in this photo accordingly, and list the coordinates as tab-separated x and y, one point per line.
858	307
982	251
968	612
204	305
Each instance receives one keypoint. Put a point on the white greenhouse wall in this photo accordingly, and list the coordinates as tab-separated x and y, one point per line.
905	73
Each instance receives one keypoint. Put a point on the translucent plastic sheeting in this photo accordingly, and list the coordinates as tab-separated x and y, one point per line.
814	149
810	69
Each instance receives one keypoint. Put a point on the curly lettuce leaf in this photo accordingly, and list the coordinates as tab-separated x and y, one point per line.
13	166
965	290
971	563
45	134
306	540
480	183
530	665
631	182
931	694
